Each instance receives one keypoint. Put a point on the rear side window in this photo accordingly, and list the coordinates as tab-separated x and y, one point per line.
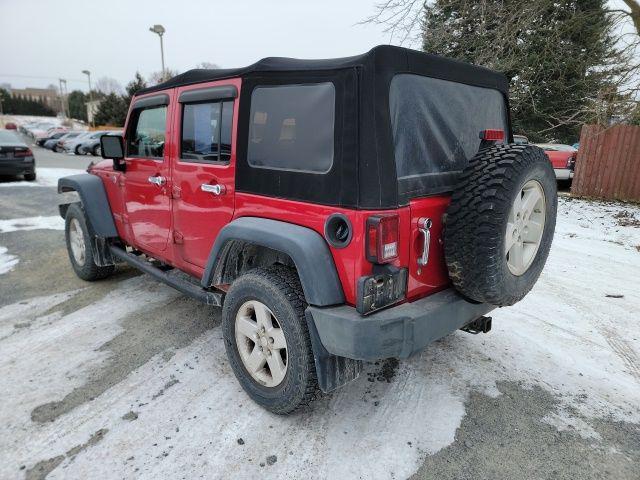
436	123
148	133
291	127
206	132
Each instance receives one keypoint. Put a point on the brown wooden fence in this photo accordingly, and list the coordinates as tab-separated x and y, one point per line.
608	163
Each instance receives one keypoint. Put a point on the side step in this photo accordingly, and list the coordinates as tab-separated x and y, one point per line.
180	282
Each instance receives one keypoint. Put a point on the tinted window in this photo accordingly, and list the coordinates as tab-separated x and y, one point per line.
206	131
291	127
146	138
436	123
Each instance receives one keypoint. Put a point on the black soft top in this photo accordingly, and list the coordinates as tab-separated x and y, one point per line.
364	173
385	58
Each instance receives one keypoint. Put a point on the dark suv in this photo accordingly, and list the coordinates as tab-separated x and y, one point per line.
339	210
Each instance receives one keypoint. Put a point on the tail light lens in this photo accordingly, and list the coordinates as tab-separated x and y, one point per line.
23	153
492	135
383	232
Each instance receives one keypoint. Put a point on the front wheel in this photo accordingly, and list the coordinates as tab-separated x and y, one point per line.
267	340
79	246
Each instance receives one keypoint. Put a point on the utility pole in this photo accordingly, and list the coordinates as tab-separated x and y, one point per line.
62	102
88	74
159	29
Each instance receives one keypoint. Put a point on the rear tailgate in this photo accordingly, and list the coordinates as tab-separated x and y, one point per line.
432	277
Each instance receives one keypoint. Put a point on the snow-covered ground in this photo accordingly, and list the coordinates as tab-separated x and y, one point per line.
45	177
182	413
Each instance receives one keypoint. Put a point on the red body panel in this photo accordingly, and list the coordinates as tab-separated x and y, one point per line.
178	222
558	159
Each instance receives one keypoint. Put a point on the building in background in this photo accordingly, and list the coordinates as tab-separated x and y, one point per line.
48	96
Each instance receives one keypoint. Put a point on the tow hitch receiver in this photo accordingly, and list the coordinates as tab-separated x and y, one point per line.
479	325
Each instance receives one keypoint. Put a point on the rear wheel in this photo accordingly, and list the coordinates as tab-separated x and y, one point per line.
97	151
500	223
77	150
30	177
79	246
267	340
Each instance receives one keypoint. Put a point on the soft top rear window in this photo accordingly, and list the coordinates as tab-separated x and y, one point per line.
436	126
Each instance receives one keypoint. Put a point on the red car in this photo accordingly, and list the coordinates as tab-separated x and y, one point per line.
308	198
562	157
10	126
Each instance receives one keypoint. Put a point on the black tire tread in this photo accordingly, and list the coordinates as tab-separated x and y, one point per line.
89	271
473	238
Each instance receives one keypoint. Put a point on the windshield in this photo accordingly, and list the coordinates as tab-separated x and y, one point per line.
436	126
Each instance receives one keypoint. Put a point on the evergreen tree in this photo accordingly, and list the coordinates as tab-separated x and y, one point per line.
78	105
559	55
112	111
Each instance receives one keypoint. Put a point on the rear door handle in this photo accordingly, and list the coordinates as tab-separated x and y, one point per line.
215	189
158	180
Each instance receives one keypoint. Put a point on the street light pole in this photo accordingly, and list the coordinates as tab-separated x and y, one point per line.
60	80
159	29
88	74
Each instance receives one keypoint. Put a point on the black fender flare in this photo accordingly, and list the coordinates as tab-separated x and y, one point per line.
307	249
94	201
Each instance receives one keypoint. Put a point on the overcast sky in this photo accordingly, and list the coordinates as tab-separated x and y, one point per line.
43	40
60	38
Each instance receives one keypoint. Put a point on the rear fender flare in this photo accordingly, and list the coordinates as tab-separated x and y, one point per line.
306	248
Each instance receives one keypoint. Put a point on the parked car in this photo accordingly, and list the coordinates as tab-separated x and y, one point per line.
16	158
92	145
51	135
39	128
563	159
308	198
76	146
520	140
10	126
59	145
69	145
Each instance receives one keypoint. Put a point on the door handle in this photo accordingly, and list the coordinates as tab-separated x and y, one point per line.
424	226
158	180
215	189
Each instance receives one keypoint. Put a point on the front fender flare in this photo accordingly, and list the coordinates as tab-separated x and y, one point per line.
307	249
94	201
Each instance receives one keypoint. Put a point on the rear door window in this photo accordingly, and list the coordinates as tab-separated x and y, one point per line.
206	132
436	126
292	127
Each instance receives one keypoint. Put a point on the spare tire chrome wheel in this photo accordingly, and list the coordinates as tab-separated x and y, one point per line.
524	227
500	223
261	343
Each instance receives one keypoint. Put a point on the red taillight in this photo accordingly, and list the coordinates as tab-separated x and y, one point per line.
492	135
382	241
23	153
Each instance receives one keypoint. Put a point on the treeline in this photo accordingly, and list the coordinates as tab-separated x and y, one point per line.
113	107
19	105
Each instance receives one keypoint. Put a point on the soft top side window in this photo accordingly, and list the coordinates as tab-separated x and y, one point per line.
291	127
206	132
147	132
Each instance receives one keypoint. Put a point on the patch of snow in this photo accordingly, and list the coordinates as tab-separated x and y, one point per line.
55	222
566	336
7	261
45	177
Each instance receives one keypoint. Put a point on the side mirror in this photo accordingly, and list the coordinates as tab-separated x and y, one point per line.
112	147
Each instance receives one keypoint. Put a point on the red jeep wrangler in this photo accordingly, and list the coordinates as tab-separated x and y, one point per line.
339	210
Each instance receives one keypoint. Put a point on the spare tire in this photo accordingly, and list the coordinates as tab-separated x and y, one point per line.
500	223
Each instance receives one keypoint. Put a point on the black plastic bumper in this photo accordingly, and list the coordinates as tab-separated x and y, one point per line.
397	332
16	167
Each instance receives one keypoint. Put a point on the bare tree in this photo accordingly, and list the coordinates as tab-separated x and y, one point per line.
108	85
159	77
208	65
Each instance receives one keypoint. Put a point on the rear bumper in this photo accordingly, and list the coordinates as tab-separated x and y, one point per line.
563	173
17	167
397	332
